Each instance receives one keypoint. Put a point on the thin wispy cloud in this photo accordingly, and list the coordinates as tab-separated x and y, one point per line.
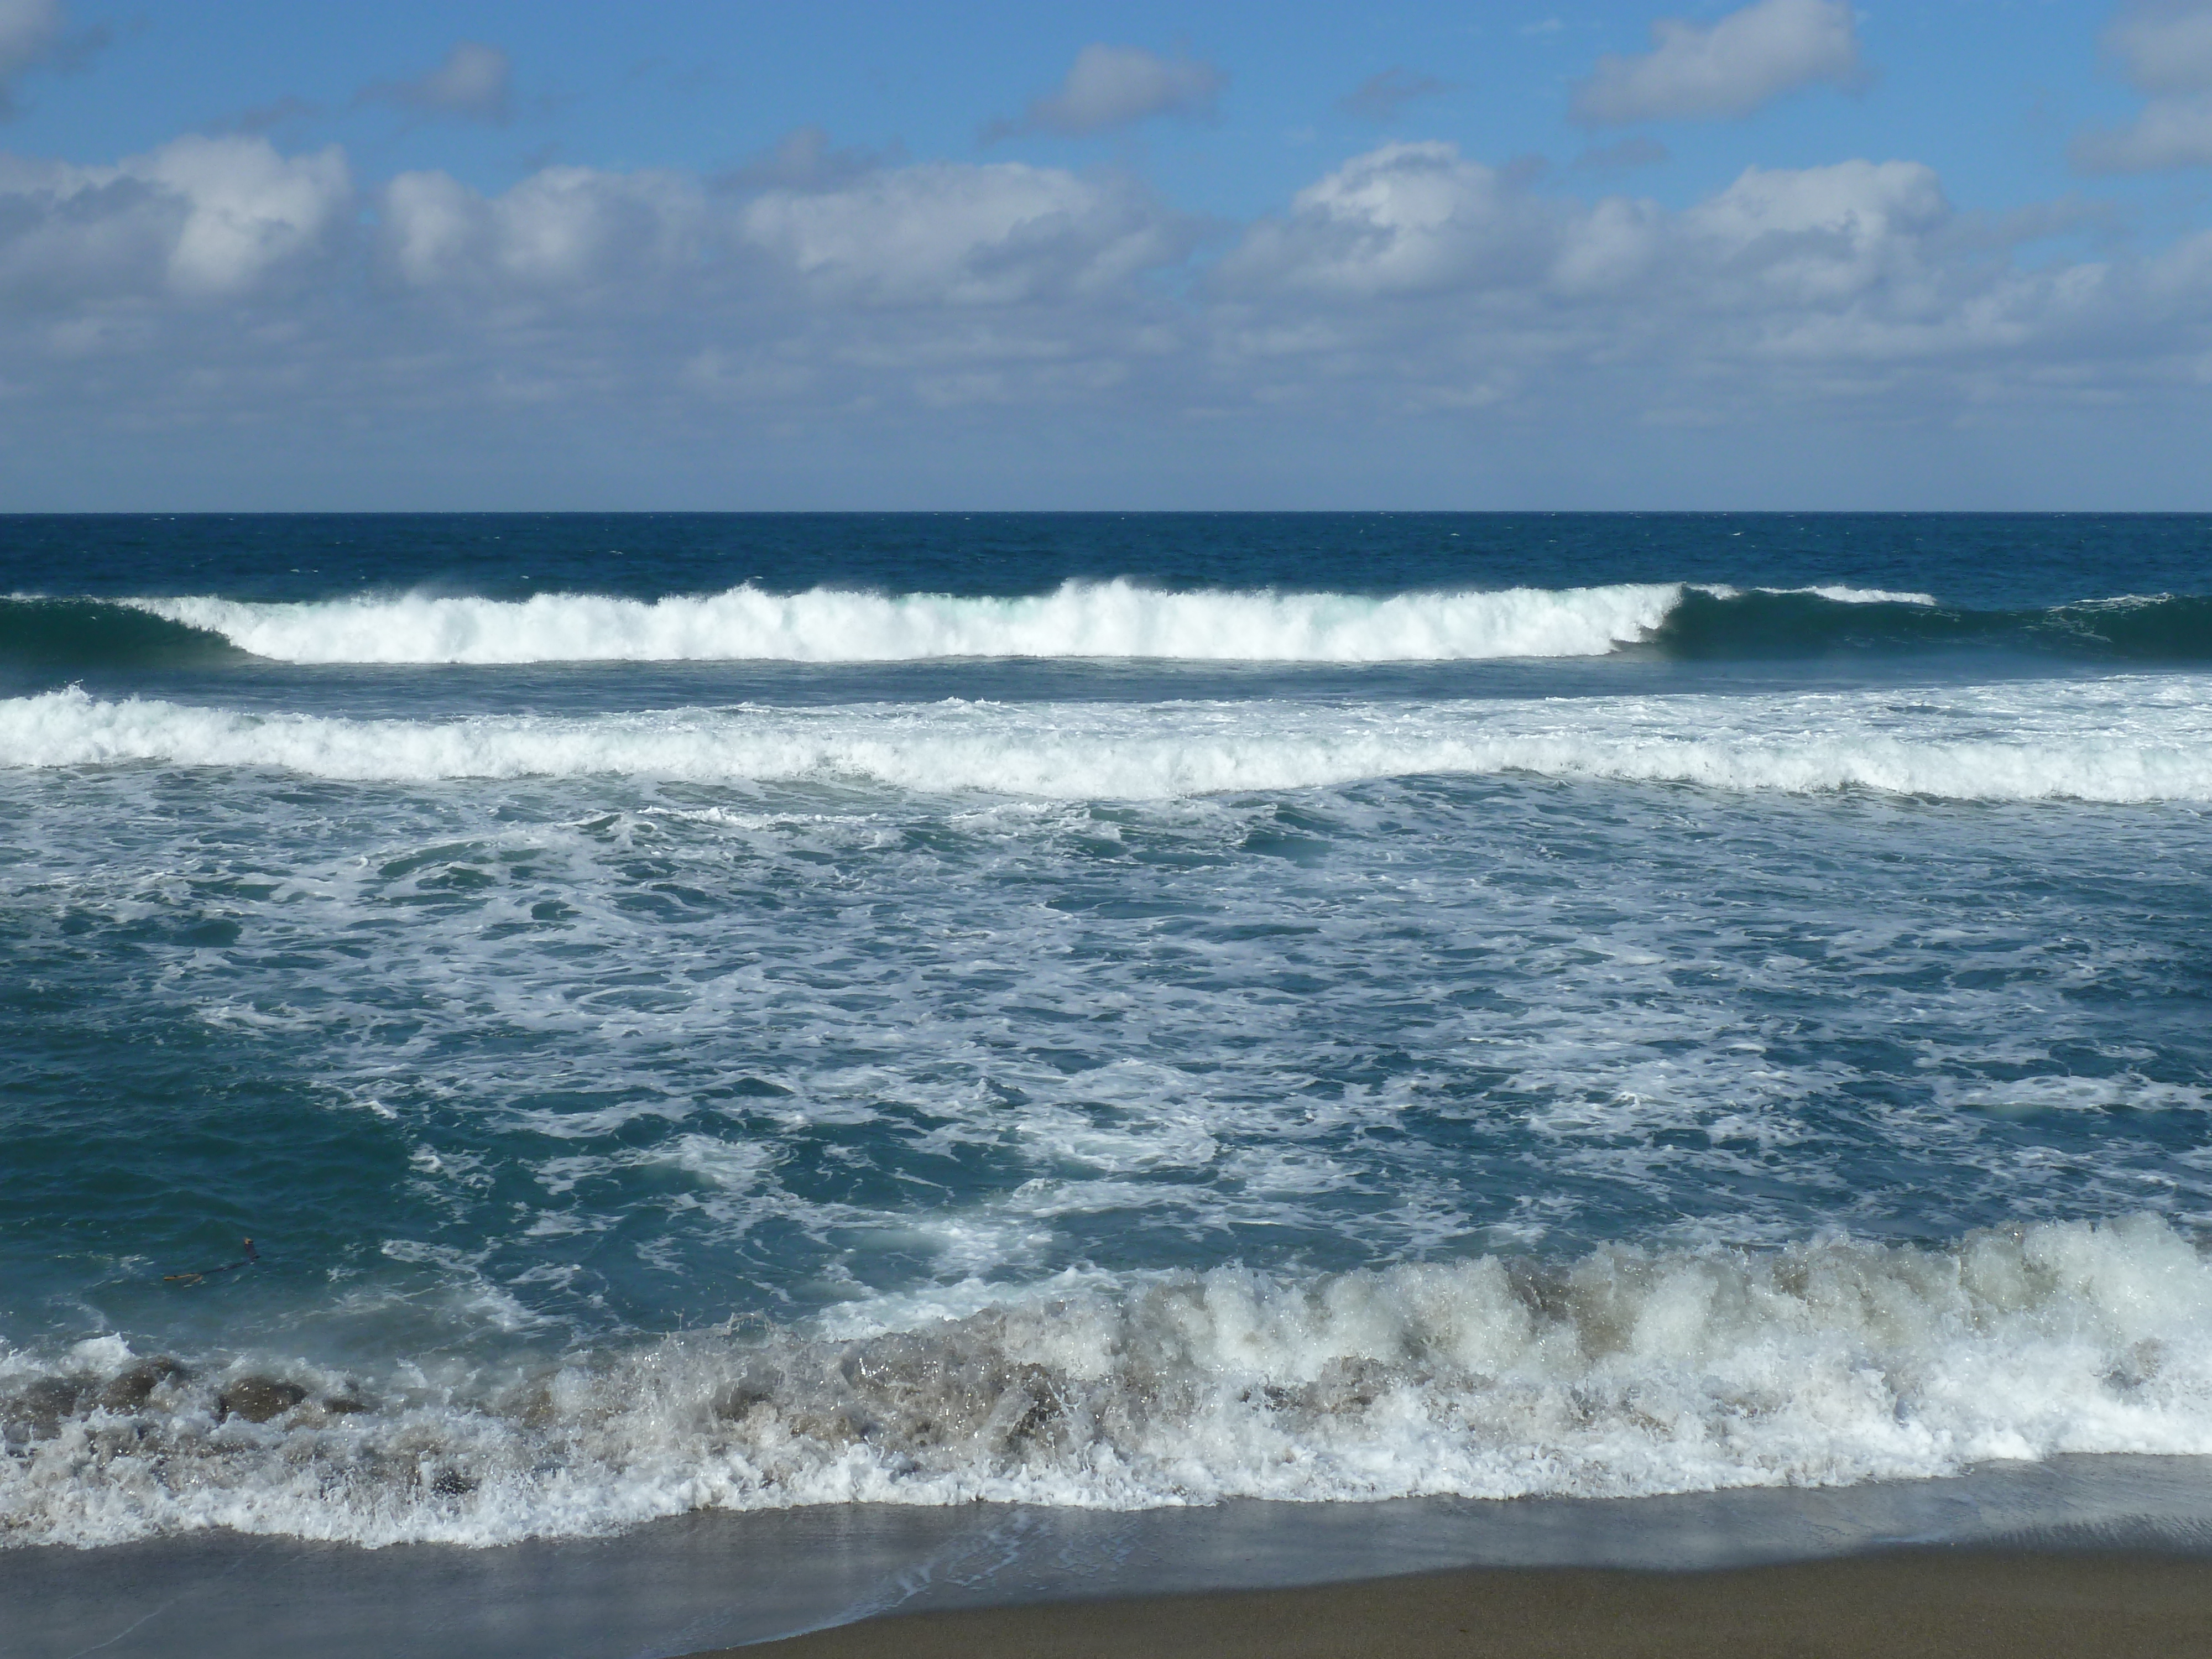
36	34
1109	86
1636	150
2165	50
1380	97
473	83
1729	67
269	116
804	159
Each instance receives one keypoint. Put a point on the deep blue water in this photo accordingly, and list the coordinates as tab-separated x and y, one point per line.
1988	560
1327	1006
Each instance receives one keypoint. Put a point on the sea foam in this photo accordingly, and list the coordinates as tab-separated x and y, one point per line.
2116	739
1116	619
1628	1372
1079	619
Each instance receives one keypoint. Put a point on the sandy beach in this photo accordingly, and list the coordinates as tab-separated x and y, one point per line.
1957	1604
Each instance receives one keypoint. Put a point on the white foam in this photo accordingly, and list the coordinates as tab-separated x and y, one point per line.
1834	593
1629	1373
1870	596
2119	740
1079	619
1831	592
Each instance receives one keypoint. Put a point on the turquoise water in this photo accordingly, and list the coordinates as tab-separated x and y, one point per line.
1119	1010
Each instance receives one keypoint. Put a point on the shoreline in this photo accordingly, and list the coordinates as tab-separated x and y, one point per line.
860	1579
1939	1601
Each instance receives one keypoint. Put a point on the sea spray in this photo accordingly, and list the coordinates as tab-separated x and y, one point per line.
1628	1372
1116	620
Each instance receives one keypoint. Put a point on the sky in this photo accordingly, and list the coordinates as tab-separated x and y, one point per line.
1787	254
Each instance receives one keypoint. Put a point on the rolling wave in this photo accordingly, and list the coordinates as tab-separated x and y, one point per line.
1107	619
1709	623
2116	740
79	634
1080	619
1627	1373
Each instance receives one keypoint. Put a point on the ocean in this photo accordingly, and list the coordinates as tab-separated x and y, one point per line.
1096	1011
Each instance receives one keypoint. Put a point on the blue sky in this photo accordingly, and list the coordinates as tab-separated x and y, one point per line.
1791	253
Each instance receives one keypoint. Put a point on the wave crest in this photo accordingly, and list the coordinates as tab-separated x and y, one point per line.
1116	619
1627	1373
1087	620
2110	741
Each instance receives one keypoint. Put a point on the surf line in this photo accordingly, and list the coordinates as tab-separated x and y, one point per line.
203	1274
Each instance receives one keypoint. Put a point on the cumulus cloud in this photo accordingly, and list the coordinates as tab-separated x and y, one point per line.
1400	219
2164	49
1857	262
1109	86
1747	58
1380	97
562	230
471	84
200	218
948	234
935	235
221	280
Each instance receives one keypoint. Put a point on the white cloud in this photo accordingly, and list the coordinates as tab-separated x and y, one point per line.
220	282
1109	86
1730	68
1408	219
1442	274
943	232
472	83
250	209
201	218
561	229
1821	236
2165	48
1399	219
934	235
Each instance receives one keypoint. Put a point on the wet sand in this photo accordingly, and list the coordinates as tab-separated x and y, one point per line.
2109	1554
1958	1604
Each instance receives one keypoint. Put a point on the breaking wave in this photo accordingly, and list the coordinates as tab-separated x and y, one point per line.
1105	620
78	634
2114	740
1114	619
1627	1373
